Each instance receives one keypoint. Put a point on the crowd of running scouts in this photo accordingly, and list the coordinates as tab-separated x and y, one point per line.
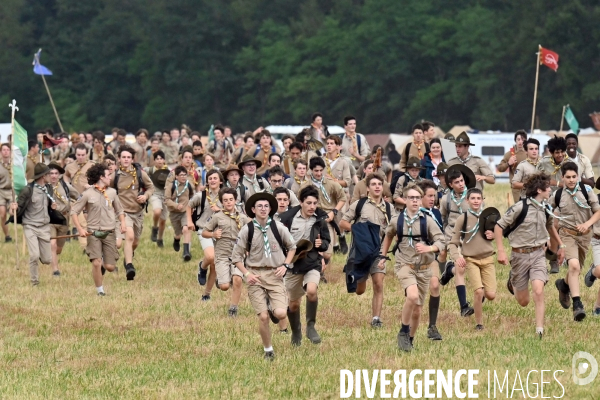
273	217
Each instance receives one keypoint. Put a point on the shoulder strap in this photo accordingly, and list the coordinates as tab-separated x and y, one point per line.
256	151
290	183
273	149
400	227
358	141
445	221
424	235
261	184
275	231
388	210
359	207
407	151
519	219
242	192
139	172
557	197
250	236
464	227
584	191
406	180
65	187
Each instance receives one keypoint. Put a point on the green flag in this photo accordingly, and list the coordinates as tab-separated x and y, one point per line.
19	149
211	133
571	120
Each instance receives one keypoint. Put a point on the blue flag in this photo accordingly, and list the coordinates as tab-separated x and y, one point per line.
38	68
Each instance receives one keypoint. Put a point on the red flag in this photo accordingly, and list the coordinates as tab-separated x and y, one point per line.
549	58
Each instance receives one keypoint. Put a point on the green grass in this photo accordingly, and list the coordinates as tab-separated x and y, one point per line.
154	338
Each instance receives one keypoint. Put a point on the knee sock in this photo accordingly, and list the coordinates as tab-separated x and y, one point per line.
405	328
461	292
434	306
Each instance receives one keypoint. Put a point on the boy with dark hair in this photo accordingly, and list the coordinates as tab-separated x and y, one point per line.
551	164
177	196
158	173
282	195
527	167
298	178
480	168
262	150
337	168
354	144
33	157
513	157
413	168
586	173
5	189
417	148
221	148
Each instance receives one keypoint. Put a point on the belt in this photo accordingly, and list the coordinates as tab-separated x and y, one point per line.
574	232
527	250
418	268
262	267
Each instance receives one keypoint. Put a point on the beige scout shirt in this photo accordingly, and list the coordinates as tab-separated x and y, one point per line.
503	166
370	212
262	156
287	164
63	204
101	213
36	213
478	246
257	256
338	169
176	194
413	152
533	232
476	164
192	181
547	165
406	253
195	202
75	174
333	189
584	166
294	184
171	151
129	190
348	143
29	168
5	176
229	234
253	186
570	213
449	215
523	171
360	190
222	152
301	226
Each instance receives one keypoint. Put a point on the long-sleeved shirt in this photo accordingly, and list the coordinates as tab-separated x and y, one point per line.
477	246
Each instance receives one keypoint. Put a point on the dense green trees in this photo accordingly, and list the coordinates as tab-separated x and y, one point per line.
160	63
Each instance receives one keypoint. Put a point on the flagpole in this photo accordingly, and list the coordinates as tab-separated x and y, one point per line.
537	75
50	96
562	118
14	108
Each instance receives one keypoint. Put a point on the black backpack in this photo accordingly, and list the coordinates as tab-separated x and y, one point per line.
361	203
559	192
521	217
275	233
395	176
400	232
195	214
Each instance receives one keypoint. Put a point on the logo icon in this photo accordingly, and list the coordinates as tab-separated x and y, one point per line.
580	368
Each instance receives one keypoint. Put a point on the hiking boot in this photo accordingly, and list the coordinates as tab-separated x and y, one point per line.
154	235
448	274
160	243
478	327
554	267
202	274
404	341
101	294
176	245
343	244
187	256
205	297
56	273
433	333
295	326
233	312
129	271
311	318
376	323
467	310
7	239
589	277
563	298
509	285
323	279
269	355
596	312
578	311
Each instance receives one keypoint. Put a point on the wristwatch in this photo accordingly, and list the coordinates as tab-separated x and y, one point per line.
287	266
335	211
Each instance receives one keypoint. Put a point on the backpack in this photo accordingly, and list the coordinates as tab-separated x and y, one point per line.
65	187
509	229
407	150
361	203
423	224
273	150
395	176
195	214
559	192
275	231
190	189
141	185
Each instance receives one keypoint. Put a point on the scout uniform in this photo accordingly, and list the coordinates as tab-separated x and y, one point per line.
415	151
548	165
338	169
175	195
128	191
475	163
63	206
103	207
77	175
584	166
452	206
5	184
294	183
503	166
230	225
404	180
157	200
523	171
210	200
350	142
287	164
258	153
222	152
29	170
171	151
360	190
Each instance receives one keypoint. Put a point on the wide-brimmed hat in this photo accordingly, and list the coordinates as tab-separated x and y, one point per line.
302	248
40	170
468	175
231	168
442	169
463	138
261	196
488	219
159	177
413	162
56	166
449	137
247	158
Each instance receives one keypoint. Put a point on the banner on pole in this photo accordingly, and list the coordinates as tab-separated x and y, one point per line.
549	59
19	148
38	68
571	120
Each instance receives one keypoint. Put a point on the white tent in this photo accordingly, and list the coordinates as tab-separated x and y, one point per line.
295	129
4	132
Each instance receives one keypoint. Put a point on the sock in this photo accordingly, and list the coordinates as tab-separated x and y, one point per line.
405	328
100	289
374	318
267	349
412	339
434	306
576	299
176	240
539	329
461	292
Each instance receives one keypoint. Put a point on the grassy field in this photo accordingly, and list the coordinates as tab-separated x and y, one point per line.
154	338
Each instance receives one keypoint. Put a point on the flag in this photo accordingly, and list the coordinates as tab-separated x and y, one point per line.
571	120
211	133
19	165
549	58
38	68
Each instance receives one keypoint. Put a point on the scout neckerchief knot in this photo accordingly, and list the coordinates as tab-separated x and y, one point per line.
234	216
575	199
458	202
133	176
431	214
177	192
254	183
556	167
381	206
419	146
76	176
475	228
103	191
320	185
545	206
265	237
409	223
328	163
57	194
533	163
466	160
43	189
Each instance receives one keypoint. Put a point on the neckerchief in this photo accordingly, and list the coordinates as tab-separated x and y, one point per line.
177	192
532	163
321	185
431	214
76	176
57	193
8	168
103	191
328	163
419	151
234	216
298	181
43	189
254	182
466	160
33	160
475	228
409	221
133	176
557	167
380	206
456	201
210	201
265	237
575	199
194	174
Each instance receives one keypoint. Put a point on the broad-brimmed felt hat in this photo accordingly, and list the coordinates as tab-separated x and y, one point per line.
488	219
261	196
302	248
468	175
56	166
40	170
231	168
247	158
463	138
413	162
442	168
449	137
159	177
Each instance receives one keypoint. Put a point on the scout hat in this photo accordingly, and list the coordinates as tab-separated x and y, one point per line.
463	138
40	170
467	174
442	168
488	219
247	158
302	248
56	166
261	196
159	177
449	137
413	162
598	184
231	168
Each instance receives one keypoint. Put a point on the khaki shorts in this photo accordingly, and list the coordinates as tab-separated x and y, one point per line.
528	267
577	246
295	284
59	230
135	221
596	251
482	273
105	249
226	270
435	270
420	277
157	201
270	286
5	197
204	242
178	220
